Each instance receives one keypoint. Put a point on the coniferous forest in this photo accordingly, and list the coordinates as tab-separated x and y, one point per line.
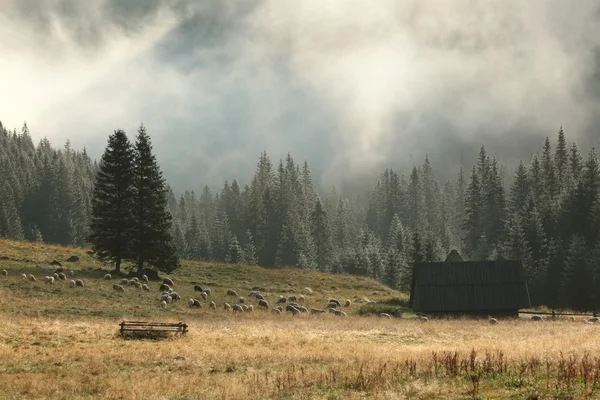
547	214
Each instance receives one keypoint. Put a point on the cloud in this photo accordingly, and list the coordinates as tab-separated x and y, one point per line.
351	86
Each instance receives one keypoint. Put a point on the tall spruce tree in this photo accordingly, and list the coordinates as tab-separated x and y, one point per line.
113	202
152	241
321	236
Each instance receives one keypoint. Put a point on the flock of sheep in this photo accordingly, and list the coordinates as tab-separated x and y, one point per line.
292	304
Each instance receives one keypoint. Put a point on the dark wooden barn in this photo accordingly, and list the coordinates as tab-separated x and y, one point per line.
476	288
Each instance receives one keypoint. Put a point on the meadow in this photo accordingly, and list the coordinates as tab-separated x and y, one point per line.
63	343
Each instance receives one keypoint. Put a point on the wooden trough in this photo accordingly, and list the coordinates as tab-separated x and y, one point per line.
152	330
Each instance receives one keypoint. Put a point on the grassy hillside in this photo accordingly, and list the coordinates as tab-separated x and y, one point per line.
62	343
98	298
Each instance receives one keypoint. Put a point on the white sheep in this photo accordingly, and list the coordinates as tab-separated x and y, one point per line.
145	287
71	283
385	315
194	303
292	298
24	277
301	299
226	306
163	304
237	308
317	311
78	282
241	300
168	281
263	303
308	290
302	309
340	313
245	308
250	308
281	300
118	288
204	296
348	302
145	279
424	319
62	276
135	279
50	280
231	292
207	291
138	285
276	311
493	321
31	278
254	293
107	277
72	273
191	303
4	272
169	299
213	305
124	281
55	276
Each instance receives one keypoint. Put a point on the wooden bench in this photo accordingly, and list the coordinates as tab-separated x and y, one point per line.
141	328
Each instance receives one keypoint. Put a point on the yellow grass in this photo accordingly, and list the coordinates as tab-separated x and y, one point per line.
62	343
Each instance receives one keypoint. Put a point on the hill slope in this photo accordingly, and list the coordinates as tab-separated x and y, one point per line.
98	298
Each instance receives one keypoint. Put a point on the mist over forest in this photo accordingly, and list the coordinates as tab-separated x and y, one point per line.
352	88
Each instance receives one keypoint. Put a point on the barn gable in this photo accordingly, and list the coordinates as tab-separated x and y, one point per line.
469	287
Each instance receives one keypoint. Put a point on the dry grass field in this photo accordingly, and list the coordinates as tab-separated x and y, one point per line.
62	343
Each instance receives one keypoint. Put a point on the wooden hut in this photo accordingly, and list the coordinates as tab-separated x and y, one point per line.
476	288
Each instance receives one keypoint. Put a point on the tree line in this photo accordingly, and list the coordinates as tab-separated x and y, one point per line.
547	215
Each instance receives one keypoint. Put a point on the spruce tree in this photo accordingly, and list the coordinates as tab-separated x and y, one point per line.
472	225
249	250
235	254
578	277
519	190
113	202
152	241
192	238
321	235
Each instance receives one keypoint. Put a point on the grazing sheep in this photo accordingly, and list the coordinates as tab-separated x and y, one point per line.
62	276
348	302
145	279
226	306
118	288
207	291
317	311
292	298
254	293
55	276
191	303
198	288
263	303
195	303
331	305
79	282
340	313
24	277
31	278
72	273
424	319
145	287
231	292
4	272
213	305
131	282
308	290
385	315
294	304
336	301
331	310
291	308
50	280
164	287
237	308
107	277
168	299
168	281
536	318
175	296
301	299
245	308
303	309
242	300
124	281
163	304
276	311
295	311
281	300
204	296
572	318
71	283
260	297
250	308
593	320
493	321
138	285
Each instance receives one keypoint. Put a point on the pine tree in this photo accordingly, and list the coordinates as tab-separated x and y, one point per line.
112	223
519	190
474	215
393	265
152	241
235	254
204	245
249	250
578	277
321	235
192	238
459	209
179	241
561	158
549	173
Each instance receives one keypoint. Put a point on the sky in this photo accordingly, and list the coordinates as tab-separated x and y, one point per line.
351	86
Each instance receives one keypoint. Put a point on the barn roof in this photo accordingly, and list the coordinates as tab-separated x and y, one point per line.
469	286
